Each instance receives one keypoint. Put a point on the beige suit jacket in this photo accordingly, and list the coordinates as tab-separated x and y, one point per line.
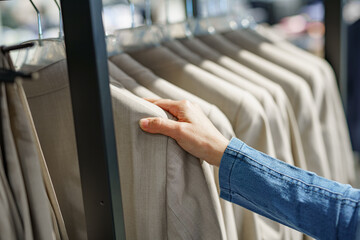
331	89
185	75
253	42
279	96
298	93
223	208
244	112
280	136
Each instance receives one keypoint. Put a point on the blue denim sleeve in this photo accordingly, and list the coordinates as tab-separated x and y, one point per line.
318	207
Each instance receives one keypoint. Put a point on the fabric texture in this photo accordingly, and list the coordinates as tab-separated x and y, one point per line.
321	208
289	121
57	218
175	185
244	111
224	209
253	42
160	197
298	93
50	105
276	123
32	215
332	90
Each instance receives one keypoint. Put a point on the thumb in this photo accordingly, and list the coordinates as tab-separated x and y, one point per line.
159	125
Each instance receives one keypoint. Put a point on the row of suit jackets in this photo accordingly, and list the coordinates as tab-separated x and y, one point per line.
251	84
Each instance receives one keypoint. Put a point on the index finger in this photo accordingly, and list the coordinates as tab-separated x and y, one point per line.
171	106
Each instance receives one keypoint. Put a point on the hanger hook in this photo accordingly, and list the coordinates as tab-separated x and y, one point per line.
38	19
60	19
167	11
189	9
148	12
132	13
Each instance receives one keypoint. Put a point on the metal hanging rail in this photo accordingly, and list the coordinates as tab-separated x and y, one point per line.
91	102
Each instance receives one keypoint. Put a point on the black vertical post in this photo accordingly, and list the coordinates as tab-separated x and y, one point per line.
335	42
91	101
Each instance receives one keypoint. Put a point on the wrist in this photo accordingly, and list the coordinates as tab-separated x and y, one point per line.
218	151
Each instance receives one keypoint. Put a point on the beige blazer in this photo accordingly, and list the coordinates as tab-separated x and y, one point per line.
331	89
280	136
234	102
279	96
298	93
253	42
176	70
224	209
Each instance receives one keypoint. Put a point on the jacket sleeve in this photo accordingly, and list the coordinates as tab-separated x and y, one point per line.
318	207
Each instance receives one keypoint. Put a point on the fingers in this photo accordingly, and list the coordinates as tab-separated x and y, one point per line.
173	107
160	125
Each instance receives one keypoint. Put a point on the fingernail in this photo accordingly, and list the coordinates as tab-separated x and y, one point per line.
144	123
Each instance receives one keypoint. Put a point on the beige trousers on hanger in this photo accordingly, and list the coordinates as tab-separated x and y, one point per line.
23	164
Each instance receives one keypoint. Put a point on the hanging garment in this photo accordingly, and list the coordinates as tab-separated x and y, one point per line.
189	211
298	93
167	65
224	209
281	141
246	40
49	101
251	41
22	164
165	89
280	136
56	215
332	89
279	96
10	222
163	188
244	112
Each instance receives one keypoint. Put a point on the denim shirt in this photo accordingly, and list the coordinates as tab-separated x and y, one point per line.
320	208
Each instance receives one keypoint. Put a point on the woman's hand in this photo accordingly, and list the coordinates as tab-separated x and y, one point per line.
193	131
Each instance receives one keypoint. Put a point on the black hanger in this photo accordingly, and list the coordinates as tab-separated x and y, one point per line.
17	47
9	76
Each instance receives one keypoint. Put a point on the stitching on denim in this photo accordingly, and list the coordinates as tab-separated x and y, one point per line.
295	179
232	166
236	193
229	179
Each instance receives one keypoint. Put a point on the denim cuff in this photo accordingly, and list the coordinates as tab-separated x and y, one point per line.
227	162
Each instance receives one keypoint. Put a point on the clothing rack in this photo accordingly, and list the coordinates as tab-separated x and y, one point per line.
91	102
93	118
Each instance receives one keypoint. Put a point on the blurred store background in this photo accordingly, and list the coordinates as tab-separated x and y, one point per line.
302	22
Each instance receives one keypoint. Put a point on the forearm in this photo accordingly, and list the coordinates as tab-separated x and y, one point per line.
302	200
